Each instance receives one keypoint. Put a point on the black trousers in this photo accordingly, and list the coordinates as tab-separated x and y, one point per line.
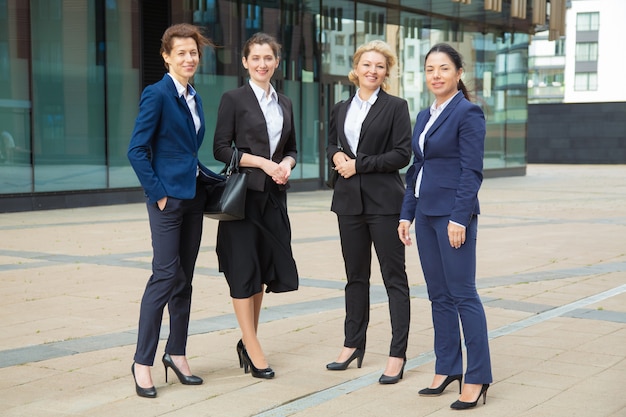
176	233
357	235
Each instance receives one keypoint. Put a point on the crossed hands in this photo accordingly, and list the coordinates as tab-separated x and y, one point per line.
280	173
344	165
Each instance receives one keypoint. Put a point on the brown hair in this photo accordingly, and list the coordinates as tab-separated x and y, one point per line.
183	30
456	59
376	46
261	38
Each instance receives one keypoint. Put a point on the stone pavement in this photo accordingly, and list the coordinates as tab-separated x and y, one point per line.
551	272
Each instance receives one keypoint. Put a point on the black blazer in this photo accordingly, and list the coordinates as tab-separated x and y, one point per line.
384	148
240	120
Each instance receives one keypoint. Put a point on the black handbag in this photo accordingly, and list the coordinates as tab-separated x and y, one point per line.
226	200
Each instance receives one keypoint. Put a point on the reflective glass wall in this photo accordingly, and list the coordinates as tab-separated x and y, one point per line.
71	73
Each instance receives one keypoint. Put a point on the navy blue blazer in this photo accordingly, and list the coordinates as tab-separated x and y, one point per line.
452	163
163	149
384	148
240	121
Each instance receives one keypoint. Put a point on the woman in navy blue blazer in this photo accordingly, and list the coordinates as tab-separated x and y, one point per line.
163	151
442	197
255	253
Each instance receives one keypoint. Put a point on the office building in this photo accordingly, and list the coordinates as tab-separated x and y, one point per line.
72	71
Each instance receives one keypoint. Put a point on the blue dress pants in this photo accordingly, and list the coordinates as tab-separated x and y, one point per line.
176	233
450	276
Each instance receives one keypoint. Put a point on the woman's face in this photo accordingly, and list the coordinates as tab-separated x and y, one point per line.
371	70
183	59
260	63
442	76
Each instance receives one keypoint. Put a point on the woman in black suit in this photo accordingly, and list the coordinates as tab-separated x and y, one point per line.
255	253
369	141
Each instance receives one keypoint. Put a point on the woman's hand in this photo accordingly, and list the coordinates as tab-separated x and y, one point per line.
456	235
404	233
344	165
282	172
162	203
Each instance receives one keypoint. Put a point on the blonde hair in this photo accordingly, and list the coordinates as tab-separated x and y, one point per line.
379	46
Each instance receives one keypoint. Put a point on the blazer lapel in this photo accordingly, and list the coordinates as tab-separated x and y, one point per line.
200	110
420	124
342	141
374	111
444	115
253	102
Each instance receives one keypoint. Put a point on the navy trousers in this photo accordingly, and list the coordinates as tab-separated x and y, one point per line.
450	276
176	233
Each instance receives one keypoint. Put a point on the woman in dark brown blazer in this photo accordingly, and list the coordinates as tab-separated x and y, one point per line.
255	253
369	141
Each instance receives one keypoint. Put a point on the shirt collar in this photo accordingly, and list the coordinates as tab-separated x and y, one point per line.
434	109
181	88
260	93
370	100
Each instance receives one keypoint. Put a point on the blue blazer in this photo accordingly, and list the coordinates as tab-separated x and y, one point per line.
163	149
452	163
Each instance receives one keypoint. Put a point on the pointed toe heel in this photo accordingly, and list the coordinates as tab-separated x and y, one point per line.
342	366
462	405
433	392
184	379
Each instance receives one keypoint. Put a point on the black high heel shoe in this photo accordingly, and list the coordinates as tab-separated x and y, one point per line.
184	379
385	379
462	405
433	392
342	366
267	373
240	348
143	392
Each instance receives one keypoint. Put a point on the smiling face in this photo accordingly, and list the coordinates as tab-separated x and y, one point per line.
261	64
371	70
442	76
182	61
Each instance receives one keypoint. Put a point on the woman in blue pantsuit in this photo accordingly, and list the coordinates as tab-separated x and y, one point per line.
442	197
163	151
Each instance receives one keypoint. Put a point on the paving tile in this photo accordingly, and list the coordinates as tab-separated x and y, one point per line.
72	281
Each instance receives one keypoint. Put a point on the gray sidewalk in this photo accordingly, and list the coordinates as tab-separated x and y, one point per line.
551	272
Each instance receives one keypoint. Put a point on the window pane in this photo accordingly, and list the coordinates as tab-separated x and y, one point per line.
15	105
68	80
580	81
122	61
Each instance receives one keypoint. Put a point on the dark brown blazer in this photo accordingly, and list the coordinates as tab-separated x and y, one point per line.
384	148
240	120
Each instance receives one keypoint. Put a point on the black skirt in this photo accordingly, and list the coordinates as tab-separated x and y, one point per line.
257	251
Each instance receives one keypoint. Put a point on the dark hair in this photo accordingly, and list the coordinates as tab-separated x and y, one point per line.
261	38
456	59
183	30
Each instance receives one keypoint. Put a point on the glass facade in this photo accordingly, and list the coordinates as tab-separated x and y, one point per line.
72	71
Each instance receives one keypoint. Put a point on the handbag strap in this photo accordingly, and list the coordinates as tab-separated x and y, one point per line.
233	166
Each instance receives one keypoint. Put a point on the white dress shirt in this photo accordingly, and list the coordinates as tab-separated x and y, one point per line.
434	114
190	97
272	112
357	112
